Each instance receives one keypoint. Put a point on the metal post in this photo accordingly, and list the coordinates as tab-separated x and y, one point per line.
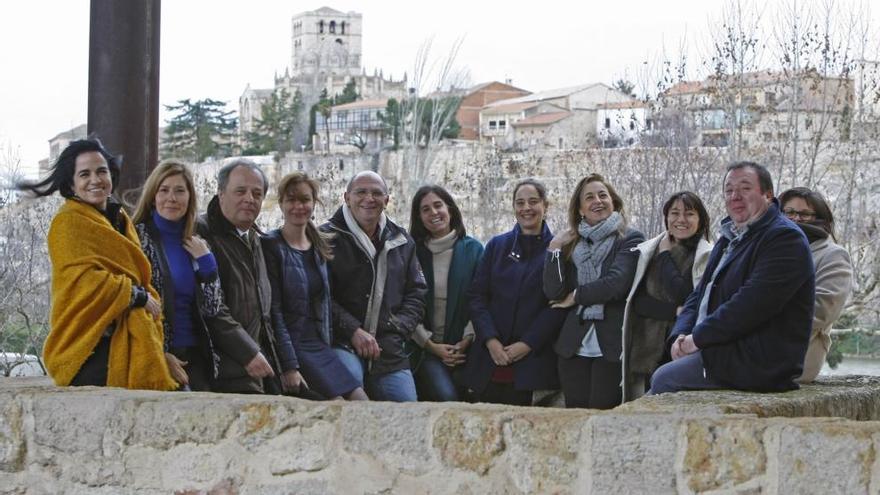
124	84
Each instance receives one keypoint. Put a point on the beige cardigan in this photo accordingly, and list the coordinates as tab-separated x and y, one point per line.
834	280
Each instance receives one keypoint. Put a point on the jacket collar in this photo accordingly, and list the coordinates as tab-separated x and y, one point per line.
337	222
218	223
761	223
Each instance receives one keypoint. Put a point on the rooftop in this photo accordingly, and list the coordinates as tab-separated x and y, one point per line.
542	119
374	103
550	94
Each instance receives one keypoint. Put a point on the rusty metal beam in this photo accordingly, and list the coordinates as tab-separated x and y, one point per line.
124	83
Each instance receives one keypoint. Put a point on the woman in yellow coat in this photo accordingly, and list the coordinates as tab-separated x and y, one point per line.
105	324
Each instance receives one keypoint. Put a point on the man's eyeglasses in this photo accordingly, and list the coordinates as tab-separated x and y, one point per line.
363	193
793	214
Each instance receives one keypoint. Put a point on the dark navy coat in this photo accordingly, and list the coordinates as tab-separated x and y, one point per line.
290	297
760	312
508	303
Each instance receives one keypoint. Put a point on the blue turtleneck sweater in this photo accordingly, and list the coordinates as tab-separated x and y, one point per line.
183	279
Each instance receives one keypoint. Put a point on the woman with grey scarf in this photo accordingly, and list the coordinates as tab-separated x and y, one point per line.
590	269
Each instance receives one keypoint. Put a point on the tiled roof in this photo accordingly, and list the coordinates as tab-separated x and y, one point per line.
542	119
375	103
547	95
508	108
623	105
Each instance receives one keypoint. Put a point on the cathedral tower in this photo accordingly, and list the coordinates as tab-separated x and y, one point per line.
326	42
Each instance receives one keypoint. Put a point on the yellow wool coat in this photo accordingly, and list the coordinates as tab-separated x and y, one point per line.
93	269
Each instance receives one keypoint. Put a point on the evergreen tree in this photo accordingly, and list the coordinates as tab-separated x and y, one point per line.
391	117
279	119
349	94
625	87
200	130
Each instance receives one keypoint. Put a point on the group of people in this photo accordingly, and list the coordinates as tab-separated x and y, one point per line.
362	308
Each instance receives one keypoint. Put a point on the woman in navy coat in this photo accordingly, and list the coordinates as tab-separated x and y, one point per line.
296	260
515	326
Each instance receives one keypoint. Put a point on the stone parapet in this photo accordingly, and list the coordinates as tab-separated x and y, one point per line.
94	440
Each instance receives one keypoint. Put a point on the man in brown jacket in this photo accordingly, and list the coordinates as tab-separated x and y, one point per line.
243	332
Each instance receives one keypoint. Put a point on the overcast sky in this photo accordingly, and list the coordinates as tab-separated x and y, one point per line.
215	48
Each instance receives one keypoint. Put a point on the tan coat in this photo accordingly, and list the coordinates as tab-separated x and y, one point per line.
834	280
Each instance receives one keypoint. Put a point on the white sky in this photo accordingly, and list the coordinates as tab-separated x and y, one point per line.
215	48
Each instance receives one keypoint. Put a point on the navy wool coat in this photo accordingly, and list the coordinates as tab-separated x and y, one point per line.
760	312
508	303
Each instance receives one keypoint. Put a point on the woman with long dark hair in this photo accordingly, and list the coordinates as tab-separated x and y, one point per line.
590	269
296	260
669	267
104	321
184	272
834	273
449	258
511	357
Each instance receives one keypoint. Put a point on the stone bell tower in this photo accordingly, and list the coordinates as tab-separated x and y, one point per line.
326	42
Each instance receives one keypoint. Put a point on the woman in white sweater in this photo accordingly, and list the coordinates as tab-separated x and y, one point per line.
834	275
448	257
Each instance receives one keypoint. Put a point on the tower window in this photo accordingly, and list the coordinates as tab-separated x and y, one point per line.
342	27
321	27
332	27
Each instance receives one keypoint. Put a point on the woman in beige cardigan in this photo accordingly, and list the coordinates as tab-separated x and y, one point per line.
834	277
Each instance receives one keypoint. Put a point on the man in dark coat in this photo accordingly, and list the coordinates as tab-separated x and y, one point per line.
378	290
242	331
747	325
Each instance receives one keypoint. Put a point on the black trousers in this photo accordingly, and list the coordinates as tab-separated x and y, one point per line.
199	368
505	393
590	382
94	371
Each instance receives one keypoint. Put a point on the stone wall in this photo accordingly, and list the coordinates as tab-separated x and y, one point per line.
93	440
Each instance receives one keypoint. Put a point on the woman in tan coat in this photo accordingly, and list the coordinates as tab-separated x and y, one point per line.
834	277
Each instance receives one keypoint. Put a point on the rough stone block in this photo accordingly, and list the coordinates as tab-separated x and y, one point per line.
12	448
542	450
184	418
469	439
817	456
396	435
722	455
626	453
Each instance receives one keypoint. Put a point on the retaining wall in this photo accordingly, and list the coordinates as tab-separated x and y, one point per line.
94	440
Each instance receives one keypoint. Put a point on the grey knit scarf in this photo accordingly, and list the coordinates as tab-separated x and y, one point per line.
589	254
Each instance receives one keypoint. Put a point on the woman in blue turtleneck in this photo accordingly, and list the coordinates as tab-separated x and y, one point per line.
184	272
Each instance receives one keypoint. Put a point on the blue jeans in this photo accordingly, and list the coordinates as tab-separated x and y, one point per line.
396	386
686	373
434	380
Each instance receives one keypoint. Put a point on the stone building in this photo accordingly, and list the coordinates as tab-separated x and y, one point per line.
763	106
623	123
352	127
326	55
475	98
576	106
57	145
496	121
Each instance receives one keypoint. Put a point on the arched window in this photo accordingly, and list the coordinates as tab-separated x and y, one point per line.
342	27
332	27
321	27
